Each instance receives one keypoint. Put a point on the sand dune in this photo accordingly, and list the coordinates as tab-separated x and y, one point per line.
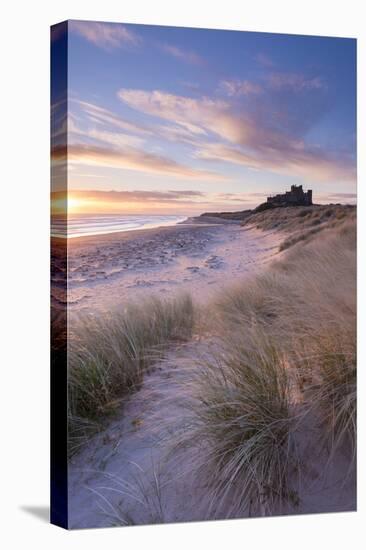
281	323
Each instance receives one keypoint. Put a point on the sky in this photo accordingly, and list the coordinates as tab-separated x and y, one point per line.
171	120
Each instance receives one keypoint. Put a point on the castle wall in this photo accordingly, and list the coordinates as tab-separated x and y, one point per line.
294	197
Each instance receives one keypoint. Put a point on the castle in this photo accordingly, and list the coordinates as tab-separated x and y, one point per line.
295	197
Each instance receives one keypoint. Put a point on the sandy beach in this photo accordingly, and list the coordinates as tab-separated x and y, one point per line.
152	458
107	271
110	270
131	473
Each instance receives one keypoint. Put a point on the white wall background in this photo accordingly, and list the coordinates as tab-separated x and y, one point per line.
24	216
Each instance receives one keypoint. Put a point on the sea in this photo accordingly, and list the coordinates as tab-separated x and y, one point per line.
91	224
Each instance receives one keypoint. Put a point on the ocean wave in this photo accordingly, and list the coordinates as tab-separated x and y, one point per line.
83	226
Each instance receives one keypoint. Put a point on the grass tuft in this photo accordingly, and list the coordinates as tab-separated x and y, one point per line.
244	411
107	358
303	223
287	353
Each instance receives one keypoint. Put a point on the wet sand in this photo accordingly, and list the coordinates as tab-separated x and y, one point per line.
109	270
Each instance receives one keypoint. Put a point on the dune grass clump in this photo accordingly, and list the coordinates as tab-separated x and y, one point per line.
254	303
306	303
242	412
332	392
303	223
286	357
108	357
300	236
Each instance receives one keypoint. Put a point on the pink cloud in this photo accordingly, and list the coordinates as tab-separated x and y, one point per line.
199	116
101	115
252	143
188	201
310	163
344	198
186	55
129	158
108	36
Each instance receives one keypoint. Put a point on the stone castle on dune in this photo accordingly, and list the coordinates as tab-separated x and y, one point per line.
295	197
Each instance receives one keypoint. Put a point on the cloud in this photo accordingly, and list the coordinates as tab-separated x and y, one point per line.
104	116
136	195
123	142
207	116
185	55
344	195
349	198
252	139
198	116
180	135
59	121
234	197
310	163
108	36
264	60
186	201
236	87
295	82
98	115
114	139
192	86
130	159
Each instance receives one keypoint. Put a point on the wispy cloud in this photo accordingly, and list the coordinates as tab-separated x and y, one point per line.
100	115
108	36
264	60
116	139
310	163
349	198
100	137
186	201
138	195
185	55
130	159
250	138
137	132
236	87
295	82
198	116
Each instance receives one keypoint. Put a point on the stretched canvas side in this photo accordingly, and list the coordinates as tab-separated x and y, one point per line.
59	103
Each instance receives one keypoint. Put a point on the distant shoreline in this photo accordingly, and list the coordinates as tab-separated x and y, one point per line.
79	227
131	226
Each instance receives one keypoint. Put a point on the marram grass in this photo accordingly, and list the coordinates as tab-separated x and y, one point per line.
107	358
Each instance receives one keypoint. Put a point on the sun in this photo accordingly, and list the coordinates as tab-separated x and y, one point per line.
74	205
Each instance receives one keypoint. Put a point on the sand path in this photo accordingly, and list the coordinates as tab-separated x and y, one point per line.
124	475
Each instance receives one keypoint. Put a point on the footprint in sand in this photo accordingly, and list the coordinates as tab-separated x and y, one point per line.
214	262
